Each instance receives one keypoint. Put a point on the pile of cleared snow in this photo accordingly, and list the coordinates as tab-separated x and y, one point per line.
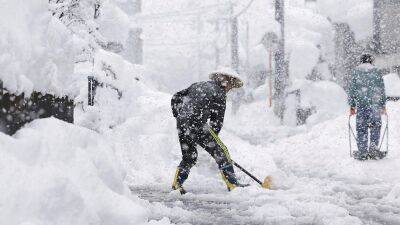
327	99
392	84
57	173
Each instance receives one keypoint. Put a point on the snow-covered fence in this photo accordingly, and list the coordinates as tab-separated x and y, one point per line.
392	86
17	110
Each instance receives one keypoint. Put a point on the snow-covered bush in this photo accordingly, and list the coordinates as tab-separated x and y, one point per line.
36	49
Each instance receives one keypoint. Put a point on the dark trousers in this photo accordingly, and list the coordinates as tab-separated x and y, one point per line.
368	119
189	138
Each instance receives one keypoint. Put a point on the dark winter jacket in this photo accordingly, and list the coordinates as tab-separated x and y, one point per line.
202	102
367	89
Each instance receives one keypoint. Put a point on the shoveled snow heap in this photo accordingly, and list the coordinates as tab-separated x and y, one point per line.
56	173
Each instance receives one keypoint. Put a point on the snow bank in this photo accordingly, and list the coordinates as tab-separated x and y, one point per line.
56	173
35	54
149	140
39	54
120	97
392	84
306	30
328	99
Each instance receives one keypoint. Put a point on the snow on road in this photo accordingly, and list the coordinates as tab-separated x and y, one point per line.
315	182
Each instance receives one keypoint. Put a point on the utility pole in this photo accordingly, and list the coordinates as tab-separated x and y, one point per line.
217	32
217	52
234	41
247	46
134	49
199	50
270	42
377	17
269	74
281	68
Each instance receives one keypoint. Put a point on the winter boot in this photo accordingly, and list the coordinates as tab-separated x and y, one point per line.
375	154
229	183
360	156
180	176
228	175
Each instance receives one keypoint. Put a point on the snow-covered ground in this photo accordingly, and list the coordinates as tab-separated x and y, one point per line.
315	180
56	173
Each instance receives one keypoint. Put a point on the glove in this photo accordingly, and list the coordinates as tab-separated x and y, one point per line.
352	111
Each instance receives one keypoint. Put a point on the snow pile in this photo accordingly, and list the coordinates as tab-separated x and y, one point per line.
57	173
121	94
309	35
39	54
35	49
326	98
149	139
392	84
137	116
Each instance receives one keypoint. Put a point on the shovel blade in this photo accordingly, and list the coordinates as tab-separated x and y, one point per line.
267	182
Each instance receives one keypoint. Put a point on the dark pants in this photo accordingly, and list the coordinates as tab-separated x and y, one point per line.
189	138
368	119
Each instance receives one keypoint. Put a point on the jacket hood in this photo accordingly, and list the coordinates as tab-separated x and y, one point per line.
366	67
226	71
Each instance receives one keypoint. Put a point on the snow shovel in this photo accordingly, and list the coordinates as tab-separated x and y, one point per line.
385	134
267	180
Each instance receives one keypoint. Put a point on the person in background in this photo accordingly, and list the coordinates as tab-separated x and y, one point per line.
368	103
199	111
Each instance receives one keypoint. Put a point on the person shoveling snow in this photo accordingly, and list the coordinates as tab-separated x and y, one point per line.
368	101
199	111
